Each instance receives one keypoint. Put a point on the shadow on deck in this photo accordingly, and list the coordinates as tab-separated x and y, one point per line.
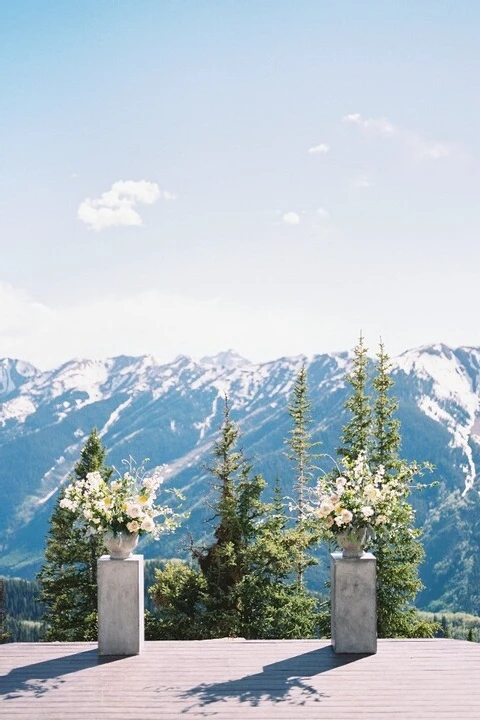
225	679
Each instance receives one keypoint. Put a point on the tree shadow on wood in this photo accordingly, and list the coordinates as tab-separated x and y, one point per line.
41	677
287	681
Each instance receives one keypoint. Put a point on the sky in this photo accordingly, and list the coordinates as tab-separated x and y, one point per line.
272	176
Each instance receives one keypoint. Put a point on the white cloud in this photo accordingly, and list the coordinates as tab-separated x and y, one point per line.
291	218
19	316
319	149
353	118
150	322
422	149
322	213
379	126
165	325
117	207
430	150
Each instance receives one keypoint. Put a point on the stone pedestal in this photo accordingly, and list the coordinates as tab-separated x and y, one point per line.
354	603
120	605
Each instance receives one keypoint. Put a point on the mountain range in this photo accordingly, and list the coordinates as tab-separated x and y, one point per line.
170	413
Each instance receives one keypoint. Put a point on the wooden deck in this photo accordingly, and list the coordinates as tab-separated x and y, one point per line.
226	679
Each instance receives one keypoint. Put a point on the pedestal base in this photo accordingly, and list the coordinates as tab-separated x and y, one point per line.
120	605
354	604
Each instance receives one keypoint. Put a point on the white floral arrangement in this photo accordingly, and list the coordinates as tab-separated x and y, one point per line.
125	503
358	498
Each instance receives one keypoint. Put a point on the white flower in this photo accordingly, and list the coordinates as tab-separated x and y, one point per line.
133	510
148	524
152	483
68	504
94	479
133	526
115	485
371	492
346	516
326	507
367	511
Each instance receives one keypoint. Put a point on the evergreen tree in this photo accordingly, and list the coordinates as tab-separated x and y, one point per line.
386	427
224	563
180	593
301	446
399	551
356	434
274	604
445	627
397	547
68	578
242	585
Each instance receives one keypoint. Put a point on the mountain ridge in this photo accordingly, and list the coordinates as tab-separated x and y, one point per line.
171	412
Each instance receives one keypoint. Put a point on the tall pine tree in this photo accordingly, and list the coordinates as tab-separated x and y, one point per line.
224	563
302	456
399	551
356	434
68	578
397	547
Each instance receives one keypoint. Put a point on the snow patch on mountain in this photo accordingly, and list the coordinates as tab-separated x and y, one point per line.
85	376
452	399
6	381
47	497
228	359
460	435
451	380
206	425
14	373
18	408
114	416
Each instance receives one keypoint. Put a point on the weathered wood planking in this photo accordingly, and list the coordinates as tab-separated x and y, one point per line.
239	680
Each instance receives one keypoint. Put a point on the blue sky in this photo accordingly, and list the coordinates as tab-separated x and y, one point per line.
181	176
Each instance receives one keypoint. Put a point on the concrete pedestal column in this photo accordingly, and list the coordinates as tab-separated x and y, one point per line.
354	603
120	605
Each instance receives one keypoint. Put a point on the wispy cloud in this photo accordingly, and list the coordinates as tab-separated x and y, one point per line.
291	218
322	213
421	147
430	150
379	126
321	149
117	207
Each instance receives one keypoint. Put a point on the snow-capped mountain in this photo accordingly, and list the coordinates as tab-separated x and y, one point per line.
446	387
171	412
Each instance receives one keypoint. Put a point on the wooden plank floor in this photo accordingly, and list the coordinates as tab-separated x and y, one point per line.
239	679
